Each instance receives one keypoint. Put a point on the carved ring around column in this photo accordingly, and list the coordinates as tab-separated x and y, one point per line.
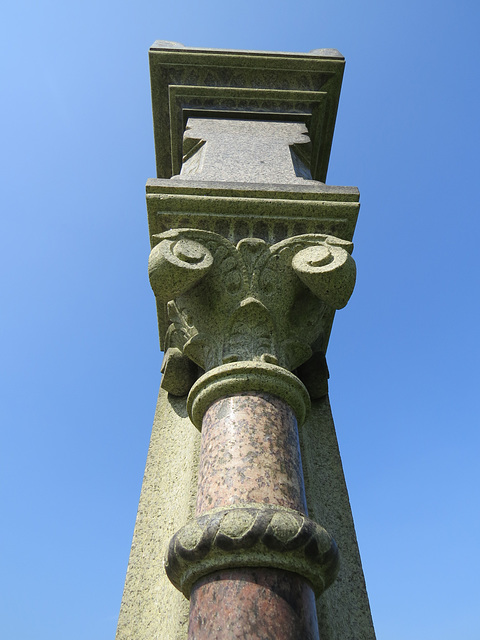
238	377
252	536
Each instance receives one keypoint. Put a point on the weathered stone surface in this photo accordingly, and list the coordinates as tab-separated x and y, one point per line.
151	606
175	267
271	212
250	454
247	277
274	86
179	373
266	212
343	610
240	377
252	536
247	150
251	302
252	604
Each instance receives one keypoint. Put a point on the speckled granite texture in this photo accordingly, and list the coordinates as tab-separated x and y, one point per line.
250	453
343	610
253	456
206	79
251	536
152	609
259	151
252	604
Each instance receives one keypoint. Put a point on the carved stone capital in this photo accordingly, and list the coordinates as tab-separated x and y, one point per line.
249	302
252	536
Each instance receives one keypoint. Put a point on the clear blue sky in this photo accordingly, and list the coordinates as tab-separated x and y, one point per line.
79	352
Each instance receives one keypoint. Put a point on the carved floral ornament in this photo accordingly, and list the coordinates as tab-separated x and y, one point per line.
250	303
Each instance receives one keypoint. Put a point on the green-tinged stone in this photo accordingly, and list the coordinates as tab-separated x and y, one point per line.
236	523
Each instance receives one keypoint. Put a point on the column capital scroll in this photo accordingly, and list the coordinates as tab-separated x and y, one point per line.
256	306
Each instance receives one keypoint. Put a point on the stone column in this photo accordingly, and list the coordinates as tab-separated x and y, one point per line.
249	467
251	257
248	314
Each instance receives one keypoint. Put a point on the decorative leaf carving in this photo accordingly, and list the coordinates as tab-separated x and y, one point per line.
250	302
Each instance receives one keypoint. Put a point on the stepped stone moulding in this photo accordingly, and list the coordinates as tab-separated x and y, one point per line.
278	87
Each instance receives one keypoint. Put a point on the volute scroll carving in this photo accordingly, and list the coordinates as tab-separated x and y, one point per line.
328	271
174	266
249	302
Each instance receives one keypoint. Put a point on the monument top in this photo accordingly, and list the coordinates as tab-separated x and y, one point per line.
218	83
319	53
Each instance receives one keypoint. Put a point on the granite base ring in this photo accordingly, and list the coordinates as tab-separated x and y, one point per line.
252	536
239	377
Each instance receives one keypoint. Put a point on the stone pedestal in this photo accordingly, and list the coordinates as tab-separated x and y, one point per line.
251	257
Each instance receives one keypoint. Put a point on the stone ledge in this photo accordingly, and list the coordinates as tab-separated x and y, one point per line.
178	46
310	189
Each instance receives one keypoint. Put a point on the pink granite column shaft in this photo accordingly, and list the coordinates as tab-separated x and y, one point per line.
250	454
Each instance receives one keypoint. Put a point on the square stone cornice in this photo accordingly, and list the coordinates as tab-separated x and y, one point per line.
193	82
271	212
